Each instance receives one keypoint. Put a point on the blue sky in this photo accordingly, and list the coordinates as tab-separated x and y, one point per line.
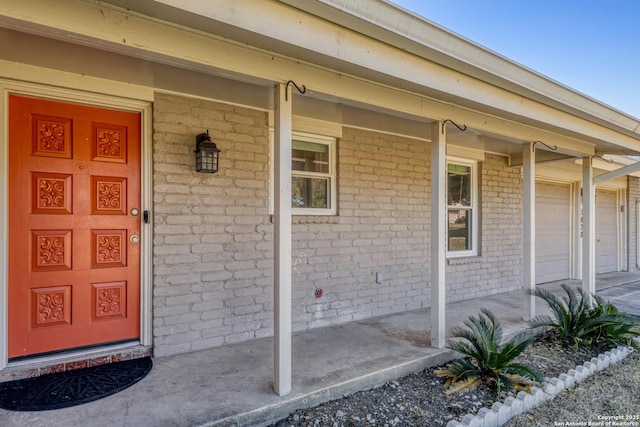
592	46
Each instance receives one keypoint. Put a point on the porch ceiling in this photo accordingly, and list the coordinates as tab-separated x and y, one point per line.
499	127
424	39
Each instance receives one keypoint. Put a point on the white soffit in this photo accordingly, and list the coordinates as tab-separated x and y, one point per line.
413	33
489	107
420	56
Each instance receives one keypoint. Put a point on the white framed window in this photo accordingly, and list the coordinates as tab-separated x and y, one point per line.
462	208
313	174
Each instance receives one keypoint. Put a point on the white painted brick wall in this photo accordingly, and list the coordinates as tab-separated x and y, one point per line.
381	227
498	268
213	236
208	287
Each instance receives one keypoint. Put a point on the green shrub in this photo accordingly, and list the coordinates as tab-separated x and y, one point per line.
487	361
582	319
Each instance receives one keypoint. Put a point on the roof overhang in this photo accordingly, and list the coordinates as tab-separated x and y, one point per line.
365	52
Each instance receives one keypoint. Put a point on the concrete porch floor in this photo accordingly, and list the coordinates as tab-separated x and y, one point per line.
232	385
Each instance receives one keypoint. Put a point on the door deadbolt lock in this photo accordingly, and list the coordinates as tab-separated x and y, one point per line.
134	238
135	212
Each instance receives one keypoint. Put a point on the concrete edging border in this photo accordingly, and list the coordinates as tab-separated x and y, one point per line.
501	412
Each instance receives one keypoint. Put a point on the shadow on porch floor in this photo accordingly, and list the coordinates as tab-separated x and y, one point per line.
232	385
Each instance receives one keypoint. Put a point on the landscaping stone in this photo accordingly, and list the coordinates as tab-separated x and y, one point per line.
515	405
591	367
528	402
489	417
503	412
470	420
581	373
419	399
568	380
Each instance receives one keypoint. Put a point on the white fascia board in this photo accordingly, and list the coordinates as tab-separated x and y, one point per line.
620	163
623	160
116	30
616	173
321	35
418	35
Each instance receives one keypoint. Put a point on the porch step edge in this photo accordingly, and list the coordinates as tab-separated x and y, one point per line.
269	414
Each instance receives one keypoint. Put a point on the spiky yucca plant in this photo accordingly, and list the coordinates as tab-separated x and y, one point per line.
582	319
487	360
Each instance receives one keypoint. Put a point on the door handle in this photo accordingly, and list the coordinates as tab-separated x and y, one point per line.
134	238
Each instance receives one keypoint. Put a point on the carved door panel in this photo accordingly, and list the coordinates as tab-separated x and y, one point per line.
74	262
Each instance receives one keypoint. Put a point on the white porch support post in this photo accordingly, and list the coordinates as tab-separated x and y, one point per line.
588	227
438	233
529	229
282	240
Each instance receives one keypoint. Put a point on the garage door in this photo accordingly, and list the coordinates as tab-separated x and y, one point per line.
553	236
606	231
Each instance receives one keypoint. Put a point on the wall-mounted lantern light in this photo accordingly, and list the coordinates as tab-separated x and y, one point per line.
206	154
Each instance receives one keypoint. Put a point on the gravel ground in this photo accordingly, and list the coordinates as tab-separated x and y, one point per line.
419	399
608	398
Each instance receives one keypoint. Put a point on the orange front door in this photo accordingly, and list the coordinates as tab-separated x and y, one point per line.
74	226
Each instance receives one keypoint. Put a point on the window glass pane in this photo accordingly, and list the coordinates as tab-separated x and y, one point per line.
458	185
309	192
310	157
459	230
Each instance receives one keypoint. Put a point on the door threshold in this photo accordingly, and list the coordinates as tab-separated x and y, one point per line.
74	359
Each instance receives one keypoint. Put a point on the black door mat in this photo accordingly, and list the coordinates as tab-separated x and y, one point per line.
64	389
